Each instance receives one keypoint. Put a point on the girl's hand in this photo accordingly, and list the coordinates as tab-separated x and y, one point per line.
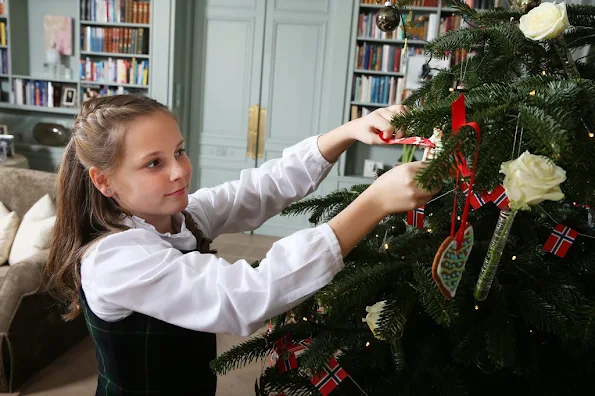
396	191
369	128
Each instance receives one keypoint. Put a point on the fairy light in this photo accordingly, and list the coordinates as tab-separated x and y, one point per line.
429	230
368	343
530	331
451	89
532	93
458	217
591	134
305	319
513	258
386	246
477	307
543	73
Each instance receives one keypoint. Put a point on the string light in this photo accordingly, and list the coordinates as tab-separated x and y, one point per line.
368	343
513	258
458	217
429	230
532	93
305	319
543	73
530	331
477	307
386	246
451	89
591	134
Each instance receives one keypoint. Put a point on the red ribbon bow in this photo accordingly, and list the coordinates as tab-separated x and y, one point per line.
459	120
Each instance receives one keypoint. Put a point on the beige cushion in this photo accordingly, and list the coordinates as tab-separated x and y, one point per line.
3	210
34	235
9	224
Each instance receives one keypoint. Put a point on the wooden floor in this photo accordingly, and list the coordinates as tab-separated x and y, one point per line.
75	372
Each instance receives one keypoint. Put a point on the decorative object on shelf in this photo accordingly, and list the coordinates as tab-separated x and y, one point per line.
524	5
388	18
58	33
3	129
371	167
52	60
69	97
51	134
8	141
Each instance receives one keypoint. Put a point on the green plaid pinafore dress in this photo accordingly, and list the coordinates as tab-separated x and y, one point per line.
141	355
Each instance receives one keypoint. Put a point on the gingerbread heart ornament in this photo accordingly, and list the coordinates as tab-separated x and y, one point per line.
450	261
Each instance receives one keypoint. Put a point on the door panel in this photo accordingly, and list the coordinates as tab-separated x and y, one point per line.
306	50
226	80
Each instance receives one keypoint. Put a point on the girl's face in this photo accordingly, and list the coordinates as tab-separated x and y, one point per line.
153	179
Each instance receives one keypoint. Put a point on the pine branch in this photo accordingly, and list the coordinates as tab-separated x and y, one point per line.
541	314
581	15
395	313
500	336
432	300
546	135
240	355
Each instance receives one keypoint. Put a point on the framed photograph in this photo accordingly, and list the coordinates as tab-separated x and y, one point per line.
69	97
3	129
370	167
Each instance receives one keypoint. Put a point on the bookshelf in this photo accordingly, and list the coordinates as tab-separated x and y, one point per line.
118	46
111	53
379	75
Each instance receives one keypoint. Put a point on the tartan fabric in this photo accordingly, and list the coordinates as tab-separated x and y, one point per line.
141	355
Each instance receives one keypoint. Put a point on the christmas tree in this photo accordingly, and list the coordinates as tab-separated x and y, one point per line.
519	314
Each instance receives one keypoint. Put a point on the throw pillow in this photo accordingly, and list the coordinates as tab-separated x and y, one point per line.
35	233
9	224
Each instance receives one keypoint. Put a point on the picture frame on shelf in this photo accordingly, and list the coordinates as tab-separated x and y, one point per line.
69	97
3	129
372	167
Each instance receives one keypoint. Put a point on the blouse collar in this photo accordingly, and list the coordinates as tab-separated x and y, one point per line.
179	222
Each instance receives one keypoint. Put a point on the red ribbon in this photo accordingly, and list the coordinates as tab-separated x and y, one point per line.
459	120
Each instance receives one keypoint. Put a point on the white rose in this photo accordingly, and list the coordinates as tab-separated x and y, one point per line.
373	316
531	179
546	21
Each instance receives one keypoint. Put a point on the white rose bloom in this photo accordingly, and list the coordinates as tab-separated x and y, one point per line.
532	179
373	316
544	22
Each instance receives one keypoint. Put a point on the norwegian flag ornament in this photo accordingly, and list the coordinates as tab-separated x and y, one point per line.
329	378
286	362
477	200
499	197
560	240
415	218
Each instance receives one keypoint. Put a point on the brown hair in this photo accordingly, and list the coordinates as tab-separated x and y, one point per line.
84	214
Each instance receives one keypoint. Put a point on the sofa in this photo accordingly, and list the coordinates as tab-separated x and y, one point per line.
32	331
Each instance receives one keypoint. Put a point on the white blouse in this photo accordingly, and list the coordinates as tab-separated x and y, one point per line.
142	270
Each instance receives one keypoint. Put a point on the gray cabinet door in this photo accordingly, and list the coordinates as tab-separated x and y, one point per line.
306	49
226	84
270	70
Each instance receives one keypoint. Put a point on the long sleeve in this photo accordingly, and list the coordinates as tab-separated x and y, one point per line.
260	193
137	271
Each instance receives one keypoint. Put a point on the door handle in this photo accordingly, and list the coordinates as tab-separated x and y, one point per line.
262	131
252	138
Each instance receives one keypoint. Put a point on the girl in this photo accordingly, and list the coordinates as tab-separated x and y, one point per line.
130	247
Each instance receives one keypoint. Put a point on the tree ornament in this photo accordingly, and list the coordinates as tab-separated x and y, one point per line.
490	264
525	5
450	261
530	179
451	258
388	18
